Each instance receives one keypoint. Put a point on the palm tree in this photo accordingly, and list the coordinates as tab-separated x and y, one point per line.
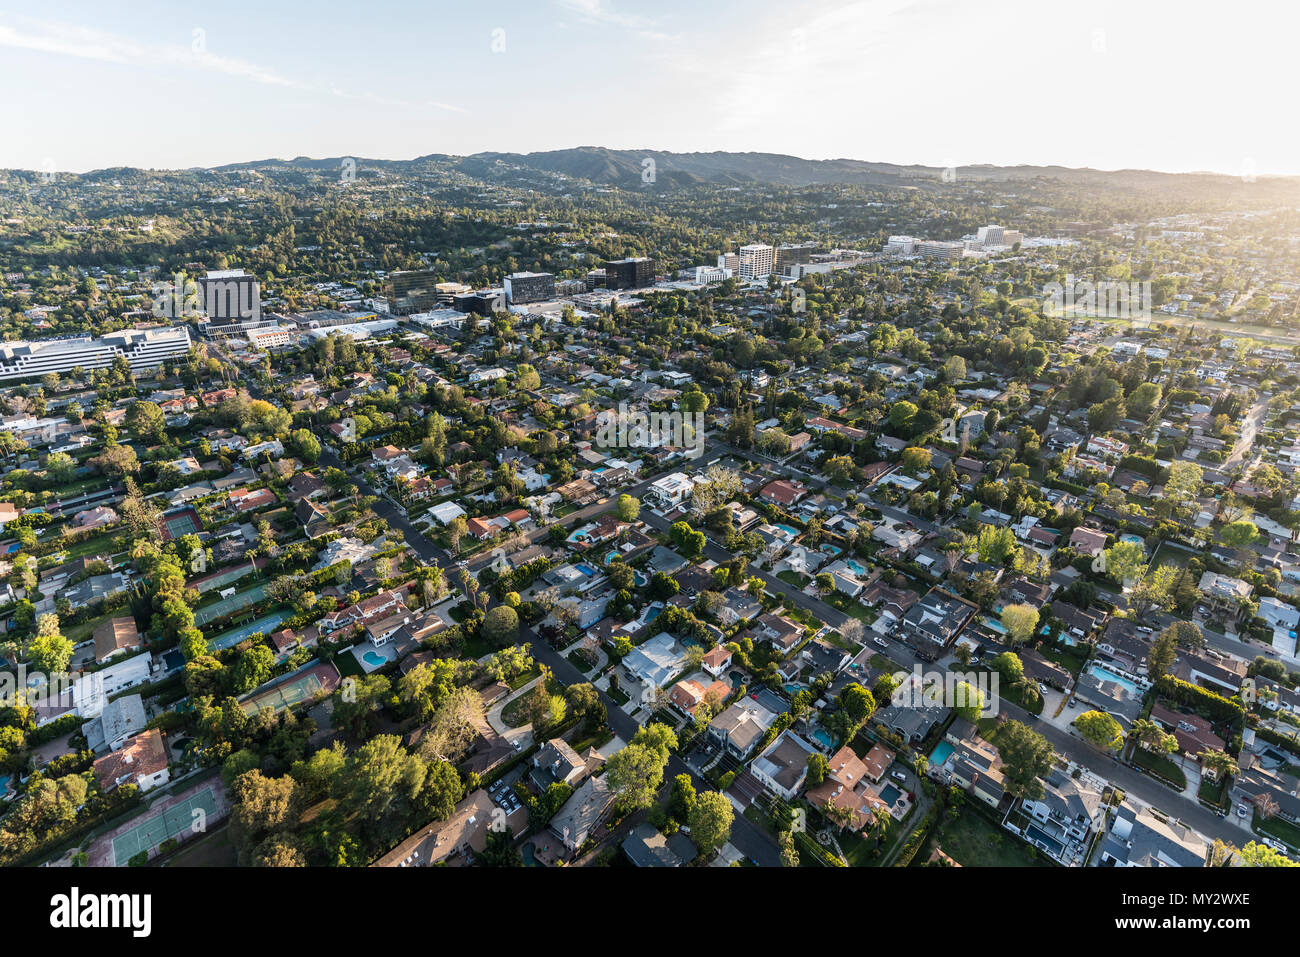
1218	763
1148	734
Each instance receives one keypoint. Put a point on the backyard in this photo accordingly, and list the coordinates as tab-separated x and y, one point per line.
973	841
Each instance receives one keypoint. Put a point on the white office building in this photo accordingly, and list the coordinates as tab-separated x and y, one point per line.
755	260
937	249
143	348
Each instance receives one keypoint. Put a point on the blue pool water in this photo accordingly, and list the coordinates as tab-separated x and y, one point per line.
823	737
995	625
856	566
1108	675
639	579
889	794
940	753
4	784
788	530
585	569
611	556
374	659
652	613
1136	539
831	550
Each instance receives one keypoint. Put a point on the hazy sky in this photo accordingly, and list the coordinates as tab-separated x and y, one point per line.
1179	85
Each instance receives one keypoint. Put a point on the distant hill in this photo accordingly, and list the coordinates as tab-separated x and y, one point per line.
624	168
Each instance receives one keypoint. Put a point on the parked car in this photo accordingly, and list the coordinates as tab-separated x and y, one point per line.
898	776
1242	810
881	642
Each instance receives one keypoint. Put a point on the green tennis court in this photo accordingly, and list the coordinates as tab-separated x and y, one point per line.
287	694
184	522
177	819
227	606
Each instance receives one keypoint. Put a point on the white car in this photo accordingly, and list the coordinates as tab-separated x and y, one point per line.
898	776
1242	810
881	642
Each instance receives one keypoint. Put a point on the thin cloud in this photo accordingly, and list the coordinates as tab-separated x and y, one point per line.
597	11
64	39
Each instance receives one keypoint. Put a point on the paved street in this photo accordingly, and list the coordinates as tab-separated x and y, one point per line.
747	837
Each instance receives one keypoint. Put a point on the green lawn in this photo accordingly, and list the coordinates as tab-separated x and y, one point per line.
1161	766
515	714
1284	831
1214	792
1068	658
973	841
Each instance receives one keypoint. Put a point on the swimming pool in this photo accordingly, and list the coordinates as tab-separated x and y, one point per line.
994	625
889	794
1130	537
792	532
652	613
823	737
1107	675
374	659
585	569
831	550
940	754
1035	835
855	566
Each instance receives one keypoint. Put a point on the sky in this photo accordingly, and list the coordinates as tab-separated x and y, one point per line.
1177	86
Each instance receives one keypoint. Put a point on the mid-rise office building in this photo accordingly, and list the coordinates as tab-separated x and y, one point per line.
481	302
755	261
143	349
729	262
630	273
707	274
937	249
901	246
411	291
524	287
792	254
230	299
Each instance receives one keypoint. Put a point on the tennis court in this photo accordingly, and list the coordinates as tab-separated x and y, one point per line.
228	577
176	820
294	690
228	639
182	522
227	606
